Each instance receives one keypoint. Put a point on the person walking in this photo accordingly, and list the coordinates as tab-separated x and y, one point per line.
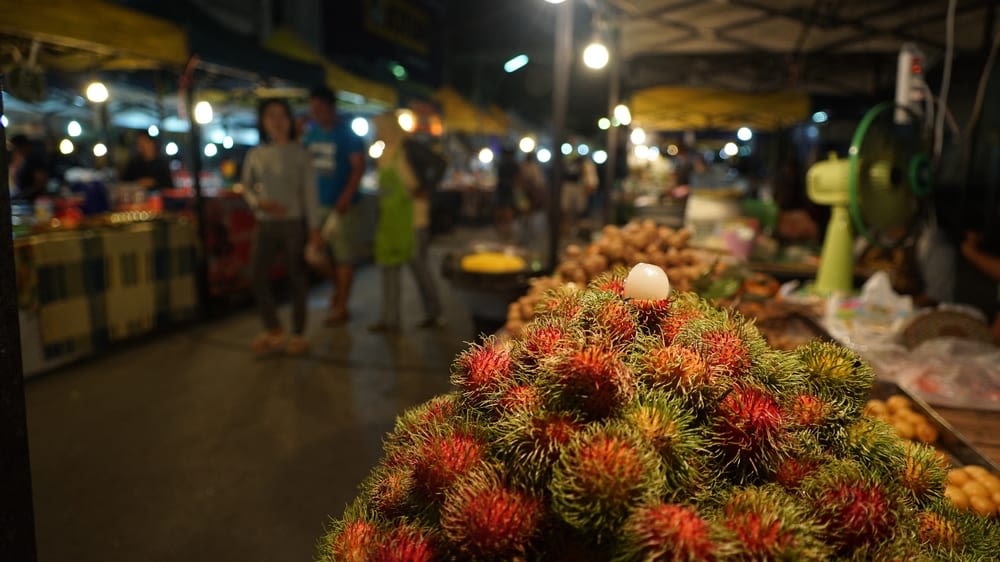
279	184
401	236
535	194
338	157
507	171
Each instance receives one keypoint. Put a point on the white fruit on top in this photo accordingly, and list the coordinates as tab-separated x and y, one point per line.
647	282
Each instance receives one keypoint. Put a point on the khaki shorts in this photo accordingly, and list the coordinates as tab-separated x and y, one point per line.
343	243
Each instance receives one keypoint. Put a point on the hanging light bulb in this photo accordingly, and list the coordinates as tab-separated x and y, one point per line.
604	123
228	142
596	55
66	146
153	131
544	155
638	136
407	121
97	92
486	156
527	144
622	114
171	149
100	149
74	129
360	126
203	113
211	150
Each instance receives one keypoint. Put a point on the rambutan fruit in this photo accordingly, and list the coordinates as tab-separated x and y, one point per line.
610	322
530	442
443	458
949	533
520	397
837	374
748	426
793	470
562	304
678	369
354	541
602	475
483	370
484	519
725	352
593	379
611	282
675	321
922	474
938	530
768	524
667	426
389	490
855	509
651	313
668	533
406	543
541	341
875	445
807	410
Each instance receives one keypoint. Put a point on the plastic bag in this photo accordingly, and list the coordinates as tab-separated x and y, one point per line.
952	372
870	320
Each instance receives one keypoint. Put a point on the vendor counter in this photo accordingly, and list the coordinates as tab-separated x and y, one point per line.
80	291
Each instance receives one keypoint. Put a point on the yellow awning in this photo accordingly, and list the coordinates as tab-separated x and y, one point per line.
133	38
677	109
461	115
286	42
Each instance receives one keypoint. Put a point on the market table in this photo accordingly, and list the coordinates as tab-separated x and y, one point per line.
981	428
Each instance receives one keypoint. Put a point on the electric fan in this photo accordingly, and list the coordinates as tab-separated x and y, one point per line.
876	191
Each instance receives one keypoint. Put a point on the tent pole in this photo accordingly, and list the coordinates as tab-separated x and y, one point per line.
560	97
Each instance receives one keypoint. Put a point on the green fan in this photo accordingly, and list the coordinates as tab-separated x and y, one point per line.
876	192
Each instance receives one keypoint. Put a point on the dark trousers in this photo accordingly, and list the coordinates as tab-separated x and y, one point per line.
274	238
392	283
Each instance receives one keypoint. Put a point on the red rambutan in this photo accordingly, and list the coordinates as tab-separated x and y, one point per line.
651	313
442	459
405	543
855	512
793	470
356	542
612	322
542	341
520	397
486	520
768	524
674	322
725	352
593	379
748	424
531	441
667	532
390	490
675	367
482	370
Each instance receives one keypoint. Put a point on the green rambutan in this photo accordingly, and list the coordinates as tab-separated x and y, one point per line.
768	524
938	531
593	379
390	490
666	533
406	543
602	475
837	374
667	426
530	441
355	541
875	445
856	510
747	429
441	459
487	520
483	370
922	474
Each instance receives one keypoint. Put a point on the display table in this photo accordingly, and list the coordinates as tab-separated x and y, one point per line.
79	291
981	428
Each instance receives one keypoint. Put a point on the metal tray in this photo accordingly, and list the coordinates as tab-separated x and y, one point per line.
959	450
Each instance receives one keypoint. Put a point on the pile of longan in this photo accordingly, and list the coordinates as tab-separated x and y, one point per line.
897	411
973	487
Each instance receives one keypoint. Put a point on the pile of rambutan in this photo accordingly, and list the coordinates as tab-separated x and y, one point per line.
617	428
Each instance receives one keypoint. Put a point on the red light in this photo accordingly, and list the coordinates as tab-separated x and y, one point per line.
917	66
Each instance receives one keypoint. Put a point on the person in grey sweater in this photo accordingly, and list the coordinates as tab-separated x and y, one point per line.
280	185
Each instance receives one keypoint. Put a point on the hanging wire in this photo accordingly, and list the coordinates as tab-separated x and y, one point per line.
945	80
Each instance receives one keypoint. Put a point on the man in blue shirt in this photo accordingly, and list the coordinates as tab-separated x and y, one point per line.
338	157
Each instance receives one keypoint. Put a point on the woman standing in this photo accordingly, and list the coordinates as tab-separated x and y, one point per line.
280	186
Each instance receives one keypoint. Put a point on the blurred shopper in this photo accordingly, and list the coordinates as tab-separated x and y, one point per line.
280	185
28	171
338	156
146	167
403	215
507	171
535	194
574	194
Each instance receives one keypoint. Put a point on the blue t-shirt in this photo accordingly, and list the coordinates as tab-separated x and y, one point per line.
331	152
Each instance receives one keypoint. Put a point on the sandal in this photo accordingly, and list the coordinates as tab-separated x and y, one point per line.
297	345
268	342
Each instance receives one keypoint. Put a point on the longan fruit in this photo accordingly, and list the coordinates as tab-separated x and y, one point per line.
926	433
957	497
973	488
991	482
976	471
898	402
996	498
958	477
982	505
875	408
904	428
911	416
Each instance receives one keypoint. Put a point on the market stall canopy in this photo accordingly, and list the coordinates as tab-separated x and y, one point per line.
286	42
101	34
462	115
679	109
754	45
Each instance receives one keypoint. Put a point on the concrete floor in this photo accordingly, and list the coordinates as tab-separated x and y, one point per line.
185	448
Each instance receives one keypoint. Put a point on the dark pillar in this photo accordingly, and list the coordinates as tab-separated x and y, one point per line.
201	263
17	520
560	98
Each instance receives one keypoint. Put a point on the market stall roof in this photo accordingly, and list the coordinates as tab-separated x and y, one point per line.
120	37
286	42
677	109
760	45
462	115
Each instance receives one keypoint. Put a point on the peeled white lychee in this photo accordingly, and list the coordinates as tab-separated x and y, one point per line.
647	282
